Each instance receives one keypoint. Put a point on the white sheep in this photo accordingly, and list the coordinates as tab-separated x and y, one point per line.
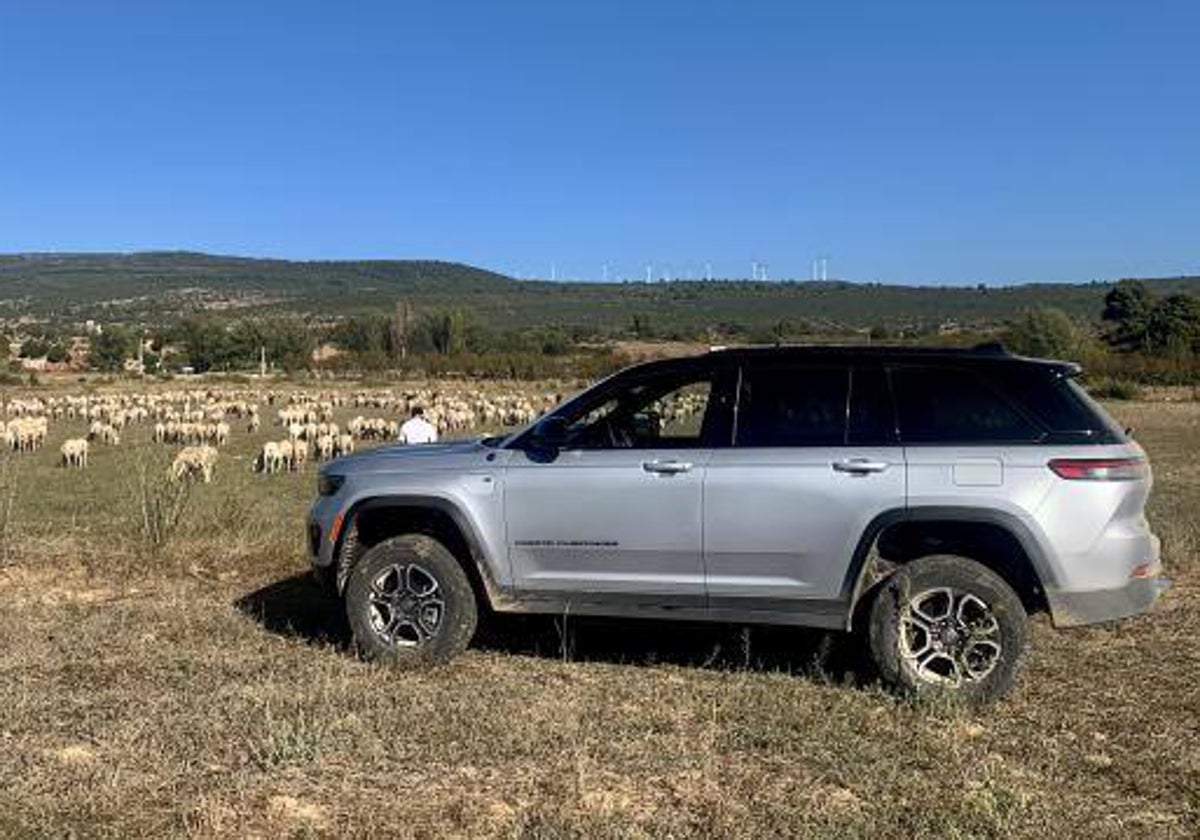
74	453
270	459
323	447
194	462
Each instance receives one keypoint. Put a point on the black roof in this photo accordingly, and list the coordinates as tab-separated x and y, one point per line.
982	355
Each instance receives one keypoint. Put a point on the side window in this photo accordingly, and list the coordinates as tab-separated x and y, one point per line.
945	405
793	406
658	412
872	417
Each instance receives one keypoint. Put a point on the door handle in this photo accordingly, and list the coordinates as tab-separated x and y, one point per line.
860	466
666	467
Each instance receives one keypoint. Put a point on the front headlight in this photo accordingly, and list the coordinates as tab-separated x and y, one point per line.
328	484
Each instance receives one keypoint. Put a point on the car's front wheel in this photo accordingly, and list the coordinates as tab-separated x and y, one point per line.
950	623
409	601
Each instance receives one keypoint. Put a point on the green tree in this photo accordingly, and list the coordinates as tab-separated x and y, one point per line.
1128	306
1044	332
1173	326
34	348
111	348
447	331
365	335
209	345
287	342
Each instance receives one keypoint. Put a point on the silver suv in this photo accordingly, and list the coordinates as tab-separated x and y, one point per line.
930	498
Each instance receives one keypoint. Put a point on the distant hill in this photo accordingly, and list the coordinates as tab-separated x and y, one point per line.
164	281
157	286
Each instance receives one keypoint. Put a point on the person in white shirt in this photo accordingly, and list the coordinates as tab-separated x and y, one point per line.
417	429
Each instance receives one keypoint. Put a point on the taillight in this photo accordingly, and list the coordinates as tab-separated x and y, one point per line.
1100	469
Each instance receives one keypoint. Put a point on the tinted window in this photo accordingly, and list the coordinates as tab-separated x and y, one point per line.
793	406
941	405
872	420
1057	403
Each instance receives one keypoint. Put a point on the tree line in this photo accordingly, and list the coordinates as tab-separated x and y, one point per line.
1136	331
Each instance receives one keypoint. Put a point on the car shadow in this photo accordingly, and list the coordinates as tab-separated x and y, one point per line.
297	607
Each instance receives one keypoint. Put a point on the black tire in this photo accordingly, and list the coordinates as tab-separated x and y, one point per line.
964	652
392	594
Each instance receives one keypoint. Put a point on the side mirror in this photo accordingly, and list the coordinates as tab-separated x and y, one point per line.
549	433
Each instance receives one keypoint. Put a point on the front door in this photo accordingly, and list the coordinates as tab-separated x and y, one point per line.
614	515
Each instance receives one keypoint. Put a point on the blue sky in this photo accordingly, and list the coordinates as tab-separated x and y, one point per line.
932	142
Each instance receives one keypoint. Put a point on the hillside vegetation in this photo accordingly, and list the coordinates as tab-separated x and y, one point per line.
165	285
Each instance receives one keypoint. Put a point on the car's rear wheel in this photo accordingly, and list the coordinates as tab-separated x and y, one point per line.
409	602
949	623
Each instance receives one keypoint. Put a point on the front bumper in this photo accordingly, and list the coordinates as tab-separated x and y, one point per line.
1071	609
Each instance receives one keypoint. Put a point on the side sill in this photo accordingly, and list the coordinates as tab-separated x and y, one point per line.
825	615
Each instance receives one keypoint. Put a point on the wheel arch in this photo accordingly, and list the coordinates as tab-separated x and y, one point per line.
376	518
995	538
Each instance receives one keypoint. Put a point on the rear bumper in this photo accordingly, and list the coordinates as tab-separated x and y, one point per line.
1070	609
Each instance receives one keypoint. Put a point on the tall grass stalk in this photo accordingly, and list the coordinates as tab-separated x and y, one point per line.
160	504
9	483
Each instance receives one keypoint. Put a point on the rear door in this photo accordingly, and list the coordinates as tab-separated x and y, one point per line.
815	458
968	441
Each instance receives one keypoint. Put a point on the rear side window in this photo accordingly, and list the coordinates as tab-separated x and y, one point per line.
793	406
948	405
1059	404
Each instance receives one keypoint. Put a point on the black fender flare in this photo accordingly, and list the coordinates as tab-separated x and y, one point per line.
855	578
478	557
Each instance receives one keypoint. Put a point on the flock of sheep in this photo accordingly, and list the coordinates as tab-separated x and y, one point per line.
203	421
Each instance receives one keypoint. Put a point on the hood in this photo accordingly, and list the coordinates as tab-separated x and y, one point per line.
399	456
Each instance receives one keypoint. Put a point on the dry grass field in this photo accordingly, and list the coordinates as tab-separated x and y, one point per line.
206	689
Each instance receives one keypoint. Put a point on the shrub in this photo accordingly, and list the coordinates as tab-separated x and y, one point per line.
1044	332
1115	389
